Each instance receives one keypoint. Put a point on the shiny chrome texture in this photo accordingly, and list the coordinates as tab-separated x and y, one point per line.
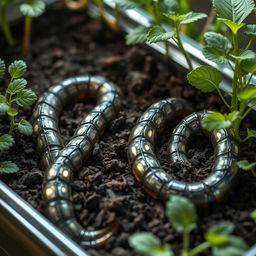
160	184
61	161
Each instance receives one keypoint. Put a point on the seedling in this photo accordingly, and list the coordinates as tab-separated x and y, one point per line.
253	216
182	215
75	5
225	50
161	12
15	95
31	9
4	22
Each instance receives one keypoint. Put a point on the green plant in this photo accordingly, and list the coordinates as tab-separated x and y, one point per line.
161	11
30	9
182	216
253	216
226	51
15	95
75	5
4	22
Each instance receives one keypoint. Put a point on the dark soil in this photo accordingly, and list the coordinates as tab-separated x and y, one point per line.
67	44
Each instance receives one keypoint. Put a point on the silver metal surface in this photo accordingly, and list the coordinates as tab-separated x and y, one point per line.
160	184
61	161
32	232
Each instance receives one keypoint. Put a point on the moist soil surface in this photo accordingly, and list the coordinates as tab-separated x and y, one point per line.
68	44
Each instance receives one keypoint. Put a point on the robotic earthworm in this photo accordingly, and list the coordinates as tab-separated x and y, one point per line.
159	183
60	161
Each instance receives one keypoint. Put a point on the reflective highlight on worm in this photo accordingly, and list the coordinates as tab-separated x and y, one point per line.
147	168
61	161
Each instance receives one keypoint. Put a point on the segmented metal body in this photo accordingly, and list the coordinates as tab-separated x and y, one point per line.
147	168
61	161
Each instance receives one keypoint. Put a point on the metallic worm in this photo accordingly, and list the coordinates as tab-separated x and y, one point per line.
61	161
160	184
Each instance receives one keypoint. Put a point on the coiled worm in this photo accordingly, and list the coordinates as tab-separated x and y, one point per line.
159	183
61	161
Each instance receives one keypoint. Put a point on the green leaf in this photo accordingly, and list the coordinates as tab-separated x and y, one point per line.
144	242
162	251
8	167
189	17
250	30
148	244
16	86
235	247
218	41
2	98
243	55
245	165
35	9
17	68
25	98
248	93
232	117
6	142
217	240
2	68
253	216
181	214
193	16
215	121
205	78
4	107
25	127
157	34
137	36
249	66
234	10
234	27
174	16
168	5
251	133
212	54
12	112
222	228
127	4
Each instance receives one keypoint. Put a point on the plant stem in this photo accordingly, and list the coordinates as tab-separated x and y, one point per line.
113	25
248	111
222	97
200	248
234	101
250	43
27	35
186	242
12	125
75	5
5	24
180	45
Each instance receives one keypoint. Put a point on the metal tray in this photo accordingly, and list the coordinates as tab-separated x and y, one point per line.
32	232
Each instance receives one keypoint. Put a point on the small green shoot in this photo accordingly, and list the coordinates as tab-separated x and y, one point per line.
182	216
225	50
253	216
4	22
31	9
15	95
161	12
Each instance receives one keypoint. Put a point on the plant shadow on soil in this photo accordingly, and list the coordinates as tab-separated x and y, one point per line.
105	189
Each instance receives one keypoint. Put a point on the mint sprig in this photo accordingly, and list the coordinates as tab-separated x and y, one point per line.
182	216
15	95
